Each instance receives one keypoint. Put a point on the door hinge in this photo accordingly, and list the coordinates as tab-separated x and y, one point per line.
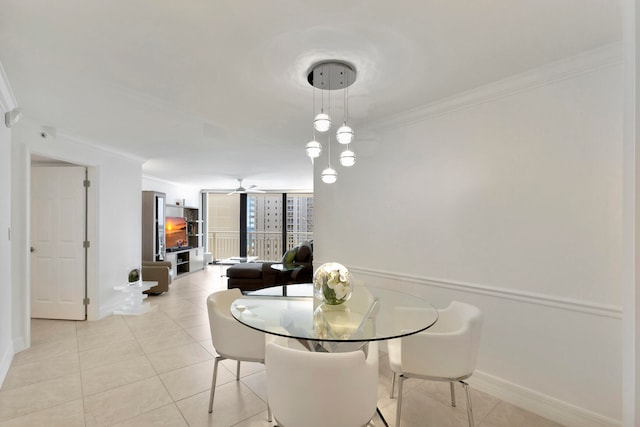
86	244
86	183
85	301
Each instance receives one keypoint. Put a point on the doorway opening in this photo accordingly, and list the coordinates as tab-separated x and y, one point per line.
58	239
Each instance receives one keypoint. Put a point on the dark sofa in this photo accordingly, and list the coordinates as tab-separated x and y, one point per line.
252	276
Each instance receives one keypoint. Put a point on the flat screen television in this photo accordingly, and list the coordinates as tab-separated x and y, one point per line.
176	232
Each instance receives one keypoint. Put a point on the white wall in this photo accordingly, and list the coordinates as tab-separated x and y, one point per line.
188	195
114	218
6	340
508	197
7	347
631	218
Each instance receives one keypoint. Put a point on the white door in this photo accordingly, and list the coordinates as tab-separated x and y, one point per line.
57	236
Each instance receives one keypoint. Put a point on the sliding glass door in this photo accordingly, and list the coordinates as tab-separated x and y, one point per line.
223	225
299	219
260	225
265	218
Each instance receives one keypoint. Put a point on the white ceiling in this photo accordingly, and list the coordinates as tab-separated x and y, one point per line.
207	91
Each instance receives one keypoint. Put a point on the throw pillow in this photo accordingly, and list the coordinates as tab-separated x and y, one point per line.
288	256
303	254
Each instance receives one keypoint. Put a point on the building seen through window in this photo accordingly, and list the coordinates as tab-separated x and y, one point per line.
273	224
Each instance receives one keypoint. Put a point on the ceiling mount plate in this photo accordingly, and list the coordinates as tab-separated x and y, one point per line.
331	75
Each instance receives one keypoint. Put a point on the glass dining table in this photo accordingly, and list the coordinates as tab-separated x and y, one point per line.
371	314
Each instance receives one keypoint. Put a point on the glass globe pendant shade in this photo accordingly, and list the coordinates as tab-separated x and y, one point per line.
344	134
313	149
322	122
347	158
329	176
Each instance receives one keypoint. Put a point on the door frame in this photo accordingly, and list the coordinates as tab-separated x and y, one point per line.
91	270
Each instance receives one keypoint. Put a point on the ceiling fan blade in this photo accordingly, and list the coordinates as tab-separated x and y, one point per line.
245	190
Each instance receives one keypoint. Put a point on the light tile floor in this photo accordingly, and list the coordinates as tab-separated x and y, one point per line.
155	370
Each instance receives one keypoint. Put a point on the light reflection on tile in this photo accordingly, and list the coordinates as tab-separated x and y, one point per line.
166	416
20	401
122	403
178	357
233	403
194	379
37	371
69	414
117	352
120	373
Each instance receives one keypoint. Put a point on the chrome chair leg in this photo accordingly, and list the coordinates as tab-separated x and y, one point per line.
213	381
238	371
399	404
453	394
393	383
467	390
269	416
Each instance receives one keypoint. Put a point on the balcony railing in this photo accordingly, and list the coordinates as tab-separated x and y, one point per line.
264	245
223	244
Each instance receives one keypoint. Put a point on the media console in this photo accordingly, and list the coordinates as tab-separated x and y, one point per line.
186	260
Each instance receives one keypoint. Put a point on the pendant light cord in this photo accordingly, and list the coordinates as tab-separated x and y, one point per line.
346	96
313	110
329	112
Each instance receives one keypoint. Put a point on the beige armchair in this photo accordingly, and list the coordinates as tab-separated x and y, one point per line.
157	271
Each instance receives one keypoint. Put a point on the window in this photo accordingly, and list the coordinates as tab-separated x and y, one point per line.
273	224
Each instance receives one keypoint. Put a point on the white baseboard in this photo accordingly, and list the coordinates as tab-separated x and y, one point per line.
19	344
545	406
5	363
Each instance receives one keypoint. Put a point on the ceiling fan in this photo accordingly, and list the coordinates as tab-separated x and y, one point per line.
243	190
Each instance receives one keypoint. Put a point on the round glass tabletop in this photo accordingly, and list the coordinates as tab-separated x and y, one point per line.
371	314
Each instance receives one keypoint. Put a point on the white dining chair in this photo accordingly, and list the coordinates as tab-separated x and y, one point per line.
231	339
319	389
447	351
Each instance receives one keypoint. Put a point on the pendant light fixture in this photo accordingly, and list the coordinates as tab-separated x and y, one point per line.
347	158
322	122
328	76
344	134
329	175
313	147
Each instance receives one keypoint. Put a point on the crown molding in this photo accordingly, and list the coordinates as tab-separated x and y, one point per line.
100	147
7	99
30	127
160	180
586	62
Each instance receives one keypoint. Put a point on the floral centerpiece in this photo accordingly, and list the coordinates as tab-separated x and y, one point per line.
332	283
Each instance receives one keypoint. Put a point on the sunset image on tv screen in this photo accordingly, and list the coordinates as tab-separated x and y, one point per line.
176	232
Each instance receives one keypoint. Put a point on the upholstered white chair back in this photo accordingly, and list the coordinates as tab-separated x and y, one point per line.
229	337
315	389
449	349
